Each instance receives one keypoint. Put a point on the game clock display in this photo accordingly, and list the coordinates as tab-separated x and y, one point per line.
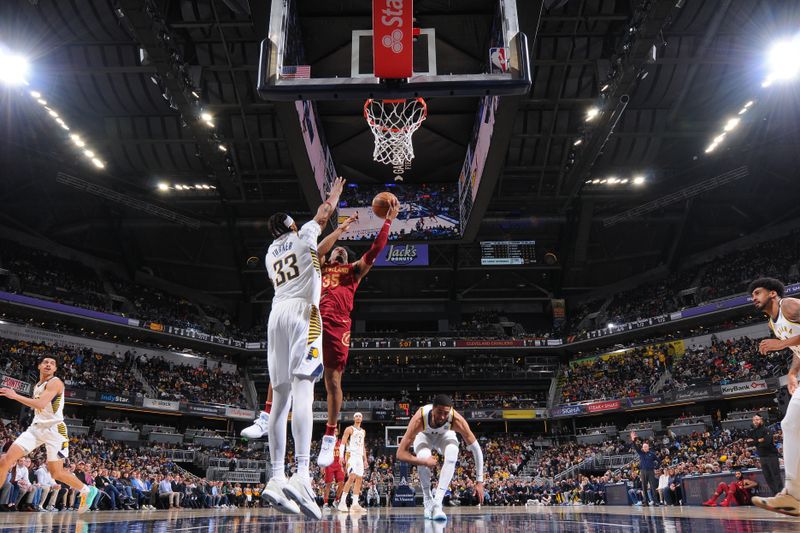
382	414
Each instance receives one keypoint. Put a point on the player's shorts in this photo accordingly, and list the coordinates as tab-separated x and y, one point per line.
53	436
355	466
435	442
334	472
294	342
335	344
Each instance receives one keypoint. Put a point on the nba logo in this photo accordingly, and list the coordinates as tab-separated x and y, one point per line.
500	60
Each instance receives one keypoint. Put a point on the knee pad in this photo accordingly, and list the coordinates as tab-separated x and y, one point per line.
423	453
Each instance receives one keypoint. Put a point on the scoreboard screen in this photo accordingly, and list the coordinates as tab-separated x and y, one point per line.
508	252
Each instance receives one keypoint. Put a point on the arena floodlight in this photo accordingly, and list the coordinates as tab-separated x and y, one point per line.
98	163
748	104
163	187
88	153
13	68
223	148
206	116
719	138
638	180
711	147
578	142
35	94
591	113
610	325
784	60
42	101
731	124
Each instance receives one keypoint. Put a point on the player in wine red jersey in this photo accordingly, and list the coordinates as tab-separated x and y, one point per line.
340	279
334	473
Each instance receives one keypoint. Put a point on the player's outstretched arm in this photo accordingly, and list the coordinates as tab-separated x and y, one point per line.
404	449
363	265
790	308
329	242
54	386
328	207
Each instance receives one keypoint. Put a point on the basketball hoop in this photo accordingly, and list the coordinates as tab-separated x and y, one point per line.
393	122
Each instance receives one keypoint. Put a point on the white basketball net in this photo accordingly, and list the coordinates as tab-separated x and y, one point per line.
393	122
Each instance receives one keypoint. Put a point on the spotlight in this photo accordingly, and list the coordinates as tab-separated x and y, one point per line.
624	181
784	59
612	181
731	124
578	142
603	181
98	163
638	180
206	116
163	186
13	68
198	187
595	181
748	104
42	101
52	113
719	138
88	153
610	325
195	94
591	113
604	88
743	111
36	94
711	147
222	148
77	140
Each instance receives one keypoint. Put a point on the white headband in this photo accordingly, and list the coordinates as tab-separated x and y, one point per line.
358	414
288	221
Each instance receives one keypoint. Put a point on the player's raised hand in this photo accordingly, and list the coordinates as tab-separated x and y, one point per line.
344	226
337	187
394	209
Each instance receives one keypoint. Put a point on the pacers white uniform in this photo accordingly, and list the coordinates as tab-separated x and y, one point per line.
294	329
435	438
785	329
48	428
355	464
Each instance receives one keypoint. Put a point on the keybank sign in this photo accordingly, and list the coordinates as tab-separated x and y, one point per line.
403	255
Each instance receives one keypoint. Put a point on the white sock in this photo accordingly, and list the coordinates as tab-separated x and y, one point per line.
791	445
85	489
446	474
302	422
281	401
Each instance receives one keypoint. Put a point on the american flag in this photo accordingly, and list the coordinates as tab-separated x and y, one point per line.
296	72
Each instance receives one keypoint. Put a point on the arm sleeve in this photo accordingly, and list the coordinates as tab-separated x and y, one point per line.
477	455
378	243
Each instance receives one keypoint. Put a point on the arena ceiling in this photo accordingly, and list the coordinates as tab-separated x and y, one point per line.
709	56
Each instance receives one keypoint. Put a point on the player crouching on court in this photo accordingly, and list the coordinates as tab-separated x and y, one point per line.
340	279
434	427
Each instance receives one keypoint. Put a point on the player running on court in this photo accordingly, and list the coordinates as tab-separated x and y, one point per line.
340	279
47	428
294	350
784	321
434	427
354	439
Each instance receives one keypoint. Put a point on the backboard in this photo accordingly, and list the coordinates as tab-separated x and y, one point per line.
324	50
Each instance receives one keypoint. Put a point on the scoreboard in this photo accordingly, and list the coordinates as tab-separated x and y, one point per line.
508	252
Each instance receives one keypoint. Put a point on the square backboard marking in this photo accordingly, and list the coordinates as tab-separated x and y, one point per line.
364	37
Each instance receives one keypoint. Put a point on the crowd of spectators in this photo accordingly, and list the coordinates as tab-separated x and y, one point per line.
417	366
206	383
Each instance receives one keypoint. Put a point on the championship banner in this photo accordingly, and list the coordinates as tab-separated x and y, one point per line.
610	405
164	405
244	414
114	398
403	255
744	387
566	410
22	387
519	414
646	400
203	409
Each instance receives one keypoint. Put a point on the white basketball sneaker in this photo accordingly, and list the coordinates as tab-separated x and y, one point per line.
299	489
428	505
437	513
325	457
258	429
273	493
356	507
782	502
342	507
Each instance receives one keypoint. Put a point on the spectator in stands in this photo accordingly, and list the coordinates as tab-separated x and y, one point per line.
169	498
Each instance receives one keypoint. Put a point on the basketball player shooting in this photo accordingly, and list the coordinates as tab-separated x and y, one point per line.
47	428
434	427
784	321
354	439
294	350
340	279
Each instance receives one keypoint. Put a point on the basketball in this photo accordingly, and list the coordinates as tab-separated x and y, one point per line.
381	202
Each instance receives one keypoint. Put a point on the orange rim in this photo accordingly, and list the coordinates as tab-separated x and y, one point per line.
372	123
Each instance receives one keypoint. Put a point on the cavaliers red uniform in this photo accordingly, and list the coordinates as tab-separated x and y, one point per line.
339	284
334	470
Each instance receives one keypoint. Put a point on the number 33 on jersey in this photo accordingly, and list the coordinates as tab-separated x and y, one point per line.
293	266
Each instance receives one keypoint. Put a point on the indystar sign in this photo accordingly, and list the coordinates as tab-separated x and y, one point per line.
744	387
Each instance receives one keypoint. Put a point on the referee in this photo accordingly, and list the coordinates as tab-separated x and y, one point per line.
762	438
